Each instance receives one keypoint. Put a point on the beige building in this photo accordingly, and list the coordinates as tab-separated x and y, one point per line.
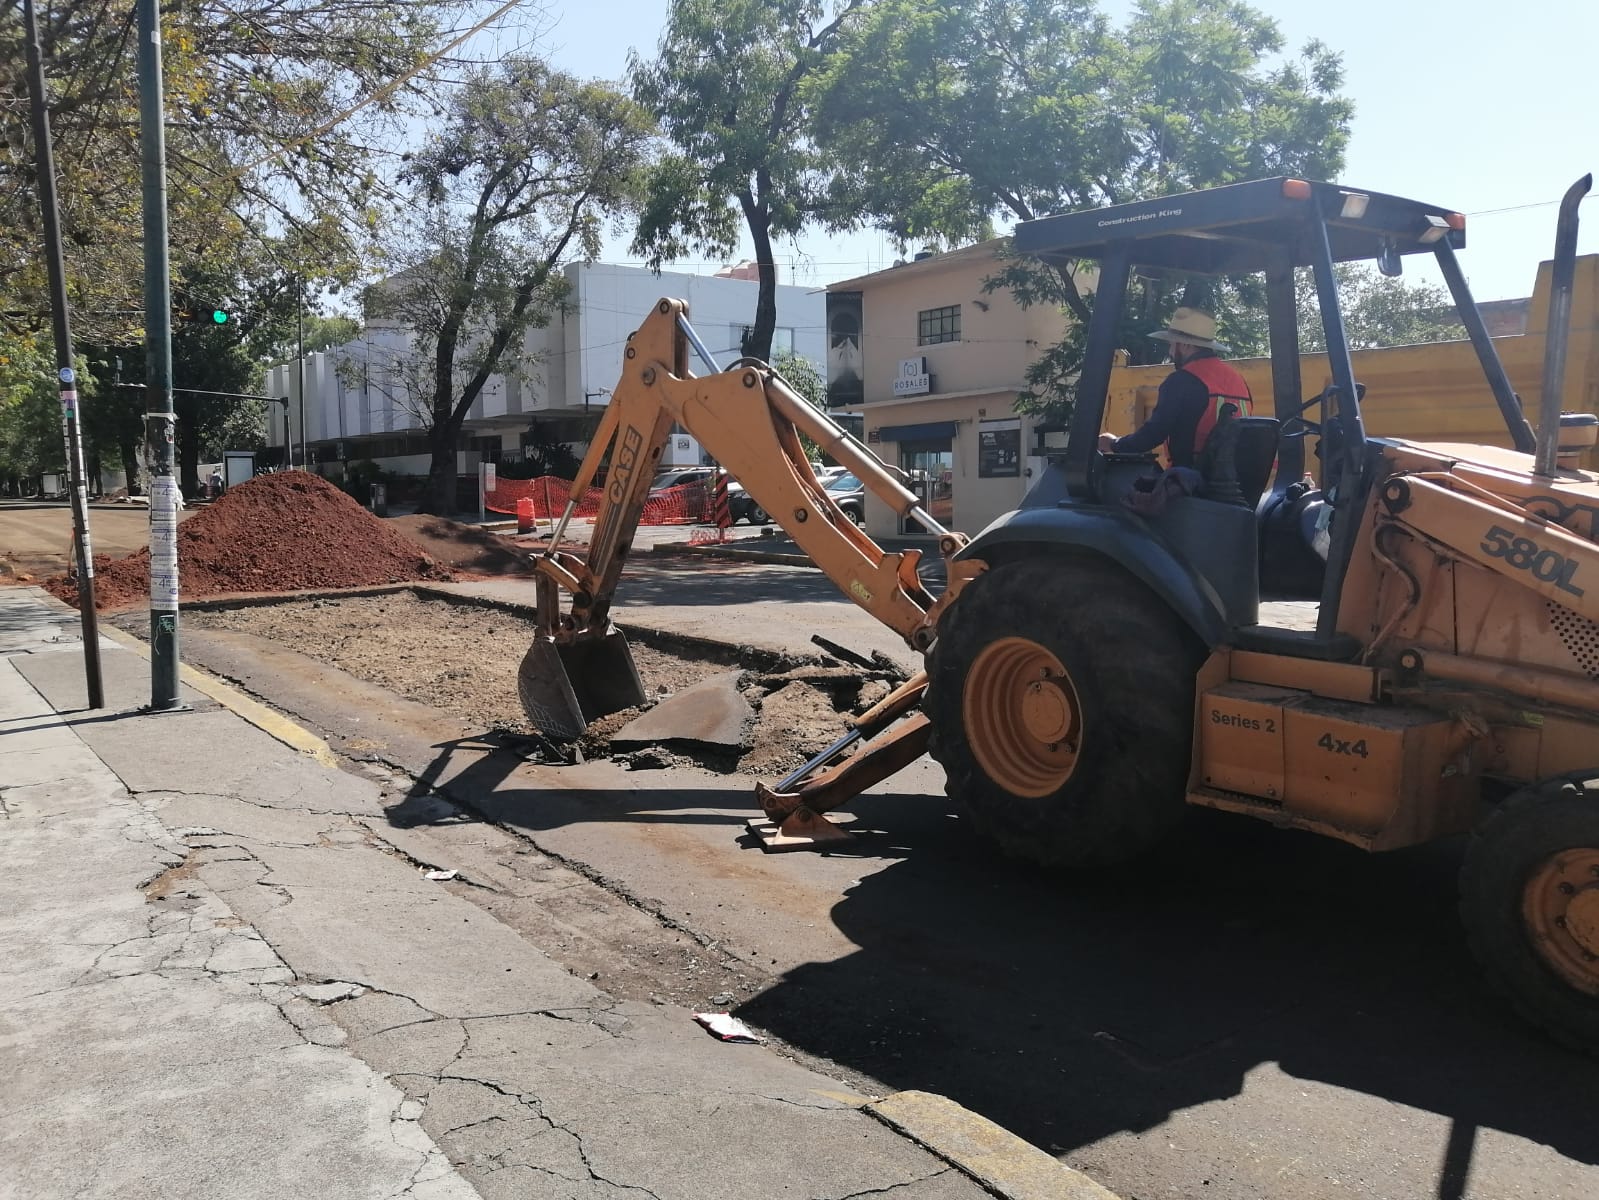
932	364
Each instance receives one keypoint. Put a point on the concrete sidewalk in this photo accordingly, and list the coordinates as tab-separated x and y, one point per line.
225	974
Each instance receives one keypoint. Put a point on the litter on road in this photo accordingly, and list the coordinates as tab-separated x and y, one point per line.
728	1027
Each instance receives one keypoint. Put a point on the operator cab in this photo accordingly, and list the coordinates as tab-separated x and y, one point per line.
1255	519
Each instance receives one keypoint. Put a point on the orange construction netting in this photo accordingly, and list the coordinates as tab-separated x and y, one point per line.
684	505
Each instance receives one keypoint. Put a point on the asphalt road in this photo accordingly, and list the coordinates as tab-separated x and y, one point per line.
1250	1013
36	538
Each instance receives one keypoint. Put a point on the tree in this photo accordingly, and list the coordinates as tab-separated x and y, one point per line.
1378	311
955	112
270	149
214	360
529	163
30	413
801	374
728	88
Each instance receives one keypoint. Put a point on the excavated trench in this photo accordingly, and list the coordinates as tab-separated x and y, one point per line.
462	657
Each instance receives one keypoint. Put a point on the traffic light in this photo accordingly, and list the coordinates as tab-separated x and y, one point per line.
195	313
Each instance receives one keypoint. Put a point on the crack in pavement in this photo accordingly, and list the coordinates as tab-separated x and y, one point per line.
474	814
894	1187
535	1111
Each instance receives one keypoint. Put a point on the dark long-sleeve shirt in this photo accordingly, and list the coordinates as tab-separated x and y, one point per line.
1178	408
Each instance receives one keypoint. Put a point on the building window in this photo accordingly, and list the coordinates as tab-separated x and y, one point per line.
934	325
782	339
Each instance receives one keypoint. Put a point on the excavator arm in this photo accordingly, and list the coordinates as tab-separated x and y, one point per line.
746	417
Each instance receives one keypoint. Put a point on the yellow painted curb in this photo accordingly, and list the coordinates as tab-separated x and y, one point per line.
273	724
993	1156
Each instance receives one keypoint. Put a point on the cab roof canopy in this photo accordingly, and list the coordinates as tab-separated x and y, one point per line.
1245	227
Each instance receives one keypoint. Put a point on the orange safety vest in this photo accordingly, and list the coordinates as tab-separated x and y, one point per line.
1226	386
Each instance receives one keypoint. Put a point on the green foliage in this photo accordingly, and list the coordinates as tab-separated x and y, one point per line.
802	375
359	478
519	181
1379	311
728	88
543	454
30	414
946	114
247	186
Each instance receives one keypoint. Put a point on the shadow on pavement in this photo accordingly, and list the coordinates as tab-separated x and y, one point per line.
1069	1009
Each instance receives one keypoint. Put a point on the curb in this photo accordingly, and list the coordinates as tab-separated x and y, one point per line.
756	556
993	1156
273	724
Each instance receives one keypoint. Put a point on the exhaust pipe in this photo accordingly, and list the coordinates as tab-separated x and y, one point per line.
1558	332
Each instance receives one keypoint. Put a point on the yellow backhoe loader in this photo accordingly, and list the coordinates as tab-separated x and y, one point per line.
1091	670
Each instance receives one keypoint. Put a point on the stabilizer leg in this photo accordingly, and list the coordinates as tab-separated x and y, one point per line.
794	820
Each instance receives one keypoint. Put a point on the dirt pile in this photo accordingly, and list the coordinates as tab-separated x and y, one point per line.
286	532
466	547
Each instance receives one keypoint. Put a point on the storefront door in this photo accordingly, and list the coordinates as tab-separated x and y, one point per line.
930	473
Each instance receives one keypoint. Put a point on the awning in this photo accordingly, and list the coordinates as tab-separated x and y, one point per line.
928	431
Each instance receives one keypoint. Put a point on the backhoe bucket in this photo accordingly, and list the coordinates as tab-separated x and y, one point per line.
565	685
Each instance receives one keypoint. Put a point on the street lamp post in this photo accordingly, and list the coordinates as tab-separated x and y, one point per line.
66	376
299	362
160	417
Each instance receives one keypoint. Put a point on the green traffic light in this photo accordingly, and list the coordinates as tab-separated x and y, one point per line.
220	317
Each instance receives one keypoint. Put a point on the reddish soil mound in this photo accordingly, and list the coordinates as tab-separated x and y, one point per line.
287	532
466	547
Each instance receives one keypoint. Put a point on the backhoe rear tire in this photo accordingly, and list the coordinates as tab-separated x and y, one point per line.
1529	898
1061	699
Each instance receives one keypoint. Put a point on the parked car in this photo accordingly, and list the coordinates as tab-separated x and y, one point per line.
678	476
744	508
741	505
849	493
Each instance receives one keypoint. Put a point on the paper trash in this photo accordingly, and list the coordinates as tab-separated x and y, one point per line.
440	876
727	1027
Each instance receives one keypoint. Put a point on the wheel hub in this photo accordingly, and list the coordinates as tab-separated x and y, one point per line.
1582	920
1022	716
1561	908
1046	712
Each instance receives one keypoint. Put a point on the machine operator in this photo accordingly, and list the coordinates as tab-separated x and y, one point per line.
1192	398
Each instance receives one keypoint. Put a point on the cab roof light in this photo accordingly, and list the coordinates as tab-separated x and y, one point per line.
1436	227
1354	205
1296	189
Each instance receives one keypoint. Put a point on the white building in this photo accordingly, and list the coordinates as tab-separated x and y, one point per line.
363	399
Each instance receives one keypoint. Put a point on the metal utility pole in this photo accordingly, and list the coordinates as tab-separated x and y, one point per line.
160	419
44	157
305	459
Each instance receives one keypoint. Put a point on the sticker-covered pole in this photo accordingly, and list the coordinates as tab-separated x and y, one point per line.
66	377
160	418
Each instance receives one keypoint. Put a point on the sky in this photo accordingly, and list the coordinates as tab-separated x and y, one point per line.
1487	108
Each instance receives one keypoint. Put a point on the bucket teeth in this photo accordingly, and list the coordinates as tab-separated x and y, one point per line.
565	685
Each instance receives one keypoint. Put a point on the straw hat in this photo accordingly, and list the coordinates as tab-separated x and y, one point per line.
1192	326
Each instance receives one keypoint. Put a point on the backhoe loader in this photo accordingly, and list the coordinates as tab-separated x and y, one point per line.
1091	670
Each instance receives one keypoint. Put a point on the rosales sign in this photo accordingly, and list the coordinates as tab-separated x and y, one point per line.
913	379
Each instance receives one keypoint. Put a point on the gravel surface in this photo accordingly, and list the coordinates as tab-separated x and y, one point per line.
463	659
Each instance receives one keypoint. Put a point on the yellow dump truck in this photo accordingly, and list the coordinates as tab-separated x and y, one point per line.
1431	393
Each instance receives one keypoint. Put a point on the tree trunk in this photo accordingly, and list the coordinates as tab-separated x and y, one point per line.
129	451
439	496
759	343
